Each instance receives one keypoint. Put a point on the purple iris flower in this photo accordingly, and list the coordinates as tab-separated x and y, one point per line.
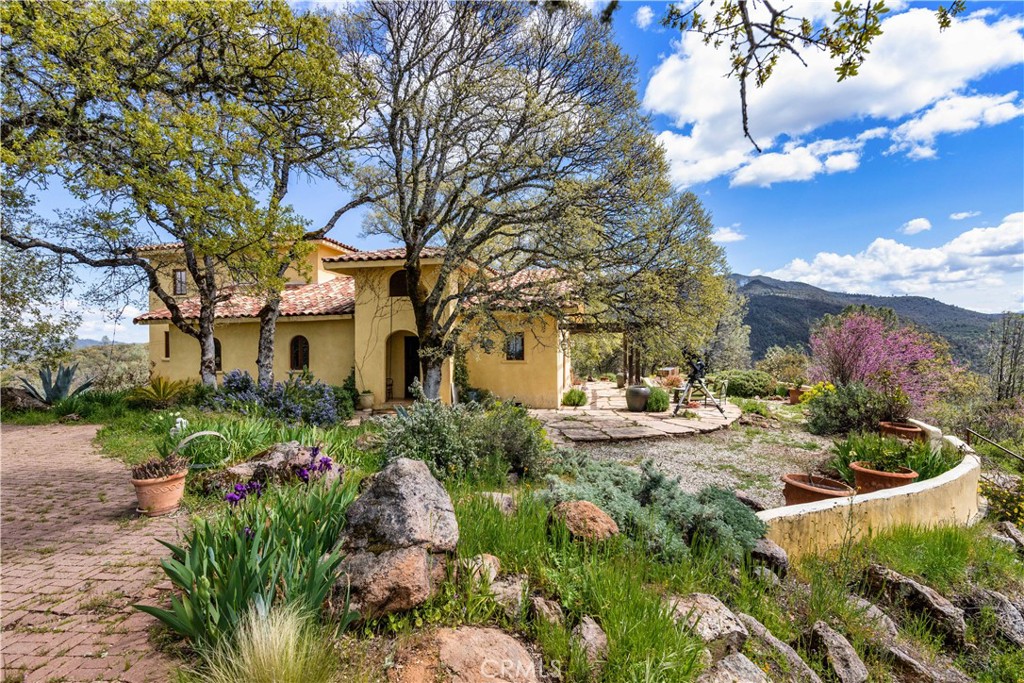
249	533
234	498
303	474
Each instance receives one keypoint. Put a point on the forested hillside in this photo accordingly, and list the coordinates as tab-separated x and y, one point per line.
782	313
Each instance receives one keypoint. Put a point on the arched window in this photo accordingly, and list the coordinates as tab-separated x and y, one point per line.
299	353
399	284
218	361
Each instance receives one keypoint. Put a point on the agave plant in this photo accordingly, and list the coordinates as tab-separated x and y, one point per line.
54	391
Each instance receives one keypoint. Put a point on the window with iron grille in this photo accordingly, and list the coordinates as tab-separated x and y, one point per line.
515	347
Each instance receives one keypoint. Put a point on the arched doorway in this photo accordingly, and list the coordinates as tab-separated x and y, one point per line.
403	364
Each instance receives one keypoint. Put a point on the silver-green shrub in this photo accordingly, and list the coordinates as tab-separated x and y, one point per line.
651	508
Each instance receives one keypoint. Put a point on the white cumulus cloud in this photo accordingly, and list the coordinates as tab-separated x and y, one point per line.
980	268
643	17
725	235
911	69
916	225
961	215
954	114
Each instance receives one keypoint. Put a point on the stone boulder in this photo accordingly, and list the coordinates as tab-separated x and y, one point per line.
279	463
712	621
481	568
842	659
734	668
912	670
464	655
882	627
1009	621
770	554
509	592
1010	530
503	501
916	597
546	610
403	507
17	400
593	640
798	671
585	521
396	541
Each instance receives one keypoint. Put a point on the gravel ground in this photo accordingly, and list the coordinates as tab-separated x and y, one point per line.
744	457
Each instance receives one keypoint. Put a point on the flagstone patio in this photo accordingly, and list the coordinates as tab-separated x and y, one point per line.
606	418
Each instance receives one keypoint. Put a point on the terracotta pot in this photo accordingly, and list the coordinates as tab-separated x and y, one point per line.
901	430
794	395
160	496
365	401
636	398
868	480
803	488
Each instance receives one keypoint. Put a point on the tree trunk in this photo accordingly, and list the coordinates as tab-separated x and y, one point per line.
432	378
265	348
207	352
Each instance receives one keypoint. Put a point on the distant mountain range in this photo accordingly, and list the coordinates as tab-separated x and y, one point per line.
83	343
781	313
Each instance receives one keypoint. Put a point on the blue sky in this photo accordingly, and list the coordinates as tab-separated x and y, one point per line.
907	179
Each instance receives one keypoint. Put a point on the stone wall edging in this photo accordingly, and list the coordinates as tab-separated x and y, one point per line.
950	498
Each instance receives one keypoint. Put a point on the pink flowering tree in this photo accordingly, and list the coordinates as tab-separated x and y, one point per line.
872	347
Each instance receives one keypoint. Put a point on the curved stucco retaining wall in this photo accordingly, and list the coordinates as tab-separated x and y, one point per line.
950	498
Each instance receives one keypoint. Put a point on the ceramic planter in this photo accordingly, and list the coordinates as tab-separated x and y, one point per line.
901	430
160	496
804	488
636	398
365	401
868	480
794	395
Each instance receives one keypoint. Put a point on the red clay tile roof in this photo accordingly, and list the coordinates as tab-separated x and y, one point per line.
334	297
395	254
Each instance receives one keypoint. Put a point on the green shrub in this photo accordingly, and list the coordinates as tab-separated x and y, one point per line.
284	645
466	440
440	435
746	383
574	397
280	547
160	392
888	455
850	408
658	401
651	509
94	406
751	406
509	434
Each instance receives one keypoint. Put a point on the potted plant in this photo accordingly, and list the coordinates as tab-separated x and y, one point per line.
796	392
366	400
881	465
636	398
808	488
160	484
896	409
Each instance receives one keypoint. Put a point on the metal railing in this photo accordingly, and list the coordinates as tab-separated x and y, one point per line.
989	441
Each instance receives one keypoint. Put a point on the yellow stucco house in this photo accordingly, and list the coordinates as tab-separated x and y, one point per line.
346	311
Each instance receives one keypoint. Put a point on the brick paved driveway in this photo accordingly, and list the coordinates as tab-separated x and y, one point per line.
74	557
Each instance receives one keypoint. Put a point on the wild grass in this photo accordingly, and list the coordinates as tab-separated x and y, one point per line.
283	646
137	437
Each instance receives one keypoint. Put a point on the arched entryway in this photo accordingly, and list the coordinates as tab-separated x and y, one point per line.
403	364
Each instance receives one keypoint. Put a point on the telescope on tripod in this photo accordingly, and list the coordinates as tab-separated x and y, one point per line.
696	379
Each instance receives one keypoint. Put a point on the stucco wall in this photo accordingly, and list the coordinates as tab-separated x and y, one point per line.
535	381
330	348
951	498
378	316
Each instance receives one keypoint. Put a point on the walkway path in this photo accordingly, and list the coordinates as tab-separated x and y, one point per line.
605	418
75	557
